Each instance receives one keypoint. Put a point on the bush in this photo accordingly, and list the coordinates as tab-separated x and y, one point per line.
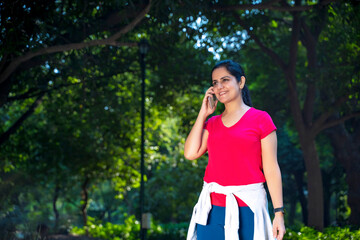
330	233
173	231
130	230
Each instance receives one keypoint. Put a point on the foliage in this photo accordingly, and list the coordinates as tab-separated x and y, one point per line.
88	122
176	231
130	230
328	233
261	40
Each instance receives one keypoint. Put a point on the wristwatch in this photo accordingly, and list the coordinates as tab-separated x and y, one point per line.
280	209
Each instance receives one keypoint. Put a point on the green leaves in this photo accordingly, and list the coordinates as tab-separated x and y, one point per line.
329	233
88	123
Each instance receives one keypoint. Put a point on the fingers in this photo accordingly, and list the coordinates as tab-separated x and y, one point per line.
210	92
215	103
280	235
274	231
206	107
278	230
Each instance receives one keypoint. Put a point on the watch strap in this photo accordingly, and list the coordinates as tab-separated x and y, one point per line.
280	209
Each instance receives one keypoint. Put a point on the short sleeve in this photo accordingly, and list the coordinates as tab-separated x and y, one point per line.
208	124
266	125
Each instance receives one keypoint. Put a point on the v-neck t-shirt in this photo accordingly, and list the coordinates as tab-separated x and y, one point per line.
235	152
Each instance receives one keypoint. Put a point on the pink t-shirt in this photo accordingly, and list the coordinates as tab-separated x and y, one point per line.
235	152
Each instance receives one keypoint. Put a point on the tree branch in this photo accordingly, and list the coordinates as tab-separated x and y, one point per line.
116	17
33	92
3	61
337	121
317	126
5	136
308	110
290	73
309	41
269	6
293	48
273	55
75	46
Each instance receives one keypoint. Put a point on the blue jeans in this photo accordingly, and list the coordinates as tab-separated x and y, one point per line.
214	230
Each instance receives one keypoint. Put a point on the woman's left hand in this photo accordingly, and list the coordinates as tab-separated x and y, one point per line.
279	226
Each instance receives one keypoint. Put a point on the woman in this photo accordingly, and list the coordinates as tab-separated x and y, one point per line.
242	149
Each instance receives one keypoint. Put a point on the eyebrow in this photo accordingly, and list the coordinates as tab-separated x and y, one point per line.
222	78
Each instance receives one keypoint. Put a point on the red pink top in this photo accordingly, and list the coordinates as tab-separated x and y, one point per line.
235	152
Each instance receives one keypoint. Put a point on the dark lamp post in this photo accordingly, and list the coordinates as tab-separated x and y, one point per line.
143	49
143	46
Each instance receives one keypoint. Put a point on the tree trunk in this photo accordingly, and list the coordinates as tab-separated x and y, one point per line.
347	152
307	142
84	198
300	188
56	212
314	184
327	197
353	179
291	211
312	164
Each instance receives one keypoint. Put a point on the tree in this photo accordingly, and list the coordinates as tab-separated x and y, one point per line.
86	129
270	27
346	148
34	30
82	134
82	105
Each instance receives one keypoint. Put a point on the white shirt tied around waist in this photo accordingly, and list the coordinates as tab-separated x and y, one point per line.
254	195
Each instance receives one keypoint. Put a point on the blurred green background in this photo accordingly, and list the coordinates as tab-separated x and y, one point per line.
70	103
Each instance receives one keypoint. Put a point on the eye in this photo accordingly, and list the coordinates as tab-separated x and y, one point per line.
214	83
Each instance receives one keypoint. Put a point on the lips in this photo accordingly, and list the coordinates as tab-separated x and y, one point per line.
222	93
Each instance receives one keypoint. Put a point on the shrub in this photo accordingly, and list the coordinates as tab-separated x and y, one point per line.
130	230
330	233
173	231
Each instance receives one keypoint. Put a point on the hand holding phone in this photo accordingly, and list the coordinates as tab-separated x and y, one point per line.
211	101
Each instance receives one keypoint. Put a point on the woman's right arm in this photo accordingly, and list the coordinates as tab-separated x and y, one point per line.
196	142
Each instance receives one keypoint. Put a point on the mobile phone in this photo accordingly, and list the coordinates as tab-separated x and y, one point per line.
212	101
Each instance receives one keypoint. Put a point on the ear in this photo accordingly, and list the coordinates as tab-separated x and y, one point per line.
242	82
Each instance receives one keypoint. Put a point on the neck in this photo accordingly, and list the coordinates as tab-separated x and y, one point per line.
235	106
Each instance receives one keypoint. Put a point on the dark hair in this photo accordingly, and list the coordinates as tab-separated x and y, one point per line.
236	70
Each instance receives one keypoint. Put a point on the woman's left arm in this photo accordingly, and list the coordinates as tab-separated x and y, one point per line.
273	178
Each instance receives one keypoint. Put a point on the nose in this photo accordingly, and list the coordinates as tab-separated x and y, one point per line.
219	85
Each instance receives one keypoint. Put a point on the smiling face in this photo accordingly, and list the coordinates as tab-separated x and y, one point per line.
226	87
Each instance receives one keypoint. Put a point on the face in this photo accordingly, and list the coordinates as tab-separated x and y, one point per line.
225	85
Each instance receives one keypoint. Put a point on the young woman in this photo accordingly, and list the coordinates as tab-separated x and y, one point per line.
242	149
